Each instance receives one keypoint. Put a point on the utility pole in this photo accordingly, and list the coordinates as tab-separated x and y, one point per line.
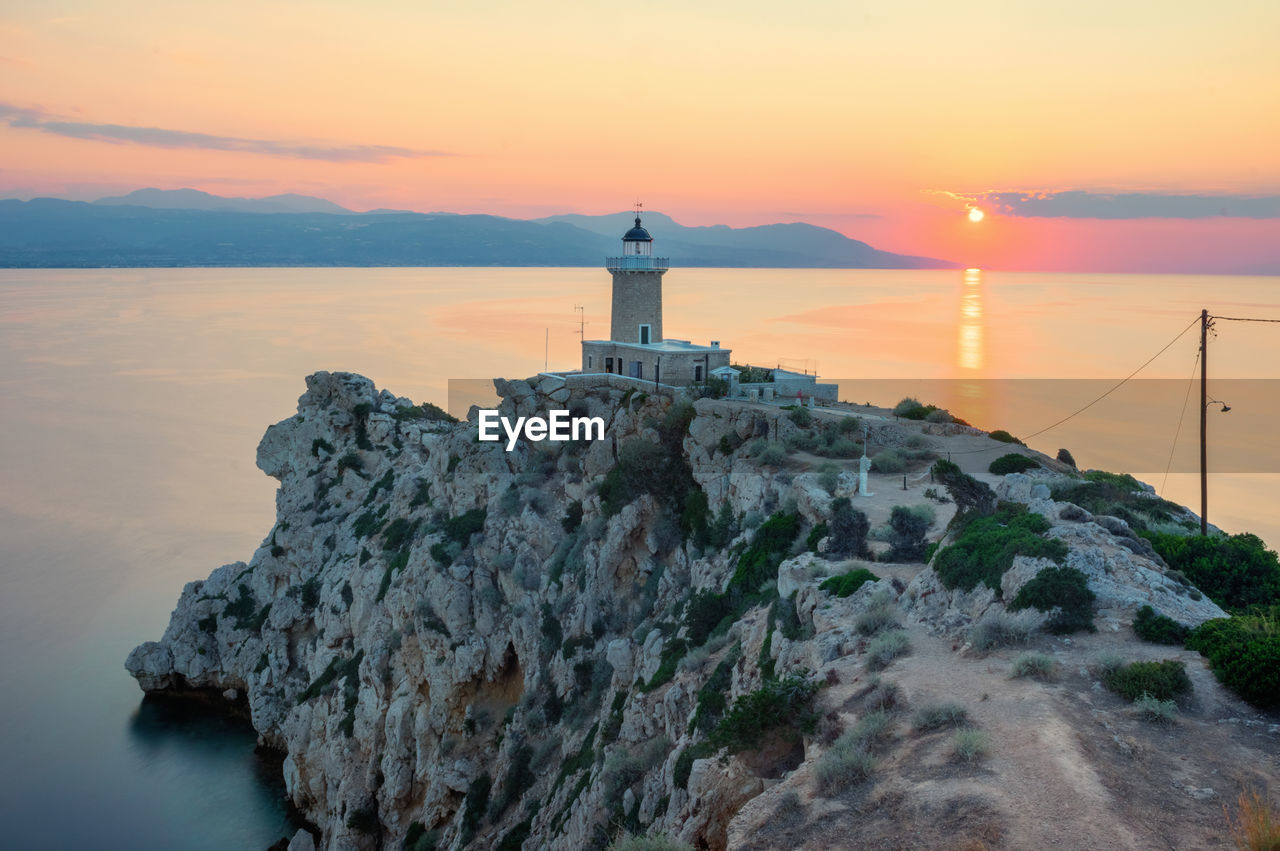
1204	411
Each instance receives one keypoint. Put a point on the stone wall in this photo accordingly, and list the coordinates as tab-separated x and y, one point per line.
637	300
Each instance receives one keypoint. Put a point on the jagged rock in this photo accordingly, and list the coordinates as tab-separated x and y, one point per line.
302	841
397	653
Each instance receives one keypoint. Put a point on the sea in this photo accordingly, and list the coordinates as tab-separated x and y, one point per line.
133	401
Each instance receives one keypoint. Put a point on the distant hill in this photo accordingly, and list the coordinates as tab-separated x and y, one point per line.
194	199
122	232
780	245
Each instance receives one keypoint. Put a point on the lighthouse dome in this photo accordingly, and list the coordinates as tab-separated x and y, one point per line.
637	234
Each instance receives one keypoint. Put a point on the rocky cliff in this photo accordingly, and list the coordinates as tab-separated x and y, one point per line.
458	646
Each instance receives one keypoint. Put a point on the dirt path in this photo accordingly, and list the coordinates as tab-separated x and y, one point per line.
1069	766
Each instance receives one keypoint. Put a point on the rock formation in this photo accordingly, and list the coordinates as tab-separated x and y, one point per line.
457	645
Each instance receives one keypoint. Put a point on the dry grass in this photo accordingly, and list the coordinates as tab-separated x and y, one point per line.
1257	824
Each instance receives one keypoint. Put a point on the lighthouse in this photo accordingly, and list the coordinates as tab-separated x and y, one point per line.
637	348
637	289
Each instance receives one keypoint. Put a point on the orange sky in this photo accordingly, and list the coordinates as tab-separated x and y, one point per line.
857	116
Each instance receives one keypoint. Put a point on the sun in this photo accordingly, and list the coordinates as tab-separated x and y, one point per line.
976	215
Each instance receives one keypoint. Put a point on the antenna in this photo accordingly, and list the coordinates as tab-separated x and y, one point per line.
639	207
582	322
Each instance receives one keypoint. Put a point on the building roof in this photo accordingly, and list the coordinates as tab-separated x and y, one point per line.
662	346
637	234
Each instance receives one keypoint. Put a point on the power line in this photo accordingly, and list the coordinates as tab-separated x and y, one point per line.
1242	319
1113	389
1118	384
1190	380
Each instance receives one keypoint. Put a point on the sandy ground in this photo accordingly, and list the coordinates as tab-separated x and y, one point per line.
1070	766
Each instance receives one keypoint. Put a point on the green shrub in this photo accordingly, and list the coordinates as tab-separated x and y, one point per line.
846	583
572	517
1038	665
1012	463
801	417
888	461
1159	629
969	746
705	611
781	707
1066	458
816	534
969	494
886	647
425	411
476	802
938	415
1235	571
1003	436
908	529
1244	654
759	562
1161	680
320	443
935	716
848	529
871	729
909	408
879	616
364	820
1001	630
349	461
1155	710
842	766
985	547
772	454
1117	496
1063	588
399	533
712	697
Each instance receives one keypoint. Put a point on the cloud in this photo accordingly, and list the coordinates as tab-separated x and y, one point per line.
159	137
1076	204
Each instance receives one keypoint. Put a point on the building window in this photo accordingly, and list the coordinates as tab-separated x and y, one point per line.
608	364
697	372
637	369
644	335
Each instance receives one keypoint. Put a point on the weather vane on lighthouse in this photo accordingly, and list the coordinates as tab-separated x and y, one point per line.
638	206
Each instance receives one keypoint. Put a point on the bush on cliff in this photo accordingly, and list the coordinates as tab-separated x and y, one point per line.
661	470
846	583
1161	680
969	494
1064	589
1158	629
779	707
1117	495
1244	654
1012	463
908	526
984	547
848	528
1235	571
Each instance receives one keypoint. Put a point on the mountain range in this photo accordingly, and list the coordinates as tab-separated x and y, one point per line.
186	227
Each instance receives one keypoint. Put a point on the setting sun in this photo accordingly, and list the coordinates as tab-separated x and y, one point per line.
976	215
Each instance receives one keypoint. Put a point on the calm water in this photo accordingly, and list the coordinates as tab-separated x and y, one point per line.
134	400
